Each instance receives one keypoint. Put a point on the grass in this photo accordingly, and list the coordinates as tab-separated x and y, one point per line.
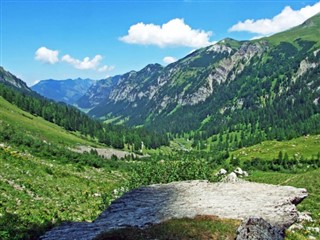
199	228
37	126
309	31
307	146
37	193
41	193
309	180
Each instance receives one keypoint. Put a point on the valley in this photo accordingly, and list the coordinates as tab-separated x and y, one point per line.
249	104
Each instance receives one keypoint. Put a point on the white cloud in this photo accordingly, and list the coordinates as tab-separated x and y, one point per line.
169	60
46	55
173	33
288	18
85	64
257	37
105	68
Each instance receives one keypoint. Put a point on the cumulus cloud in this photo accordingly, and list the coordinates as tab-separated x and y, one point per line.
288	18
85	64
169	60
46	55
173	33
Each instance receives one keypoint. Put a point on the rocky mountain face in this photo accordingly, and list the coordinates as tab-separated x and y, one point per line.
215	82
97	93
11	80
68	91
187	82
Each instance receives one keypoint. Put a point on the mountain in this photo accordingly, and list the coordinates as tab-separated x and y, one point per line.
97	92
268	84
10	80
67	91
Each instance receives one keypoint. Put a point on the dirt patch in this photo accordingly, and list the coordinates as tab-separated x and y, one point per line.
105	152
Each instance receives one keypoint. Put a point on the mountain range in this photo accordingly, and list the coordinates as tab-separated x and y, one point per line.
230	85
68	91
211	87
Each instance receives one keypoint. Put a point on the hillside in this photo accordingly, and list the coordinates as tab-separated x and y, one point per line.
12	81
42	182
47	131
269	86
74	120
68	91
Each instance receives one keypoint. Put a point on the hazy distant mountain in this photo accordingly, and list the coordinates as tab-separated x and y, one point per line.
68	91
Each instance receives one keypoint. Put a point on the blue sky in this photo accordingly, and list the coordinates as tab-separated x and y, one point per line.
100	38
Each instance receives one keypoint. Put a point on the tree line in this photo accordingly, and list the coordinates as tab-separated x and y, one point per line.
72	119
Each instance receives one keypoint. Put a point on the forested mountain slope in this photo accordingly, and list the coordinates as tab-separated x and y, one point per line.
269	86
74	120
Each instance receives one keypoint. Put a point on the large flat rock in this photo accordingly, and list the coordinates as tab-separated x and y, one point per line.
160	202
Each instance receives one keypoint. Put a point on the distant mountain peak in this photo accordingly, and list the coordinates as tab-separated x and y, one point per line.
68	90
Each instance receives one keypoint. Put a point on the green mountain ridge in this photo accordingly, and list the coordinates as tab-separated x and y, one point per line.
270	85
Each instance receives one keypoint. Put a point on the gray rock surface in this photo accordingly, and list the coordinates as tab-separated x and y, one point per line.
256	228
157	203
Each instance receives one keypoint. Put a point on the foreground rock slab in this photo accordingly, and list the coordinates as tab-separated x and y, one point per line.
161	202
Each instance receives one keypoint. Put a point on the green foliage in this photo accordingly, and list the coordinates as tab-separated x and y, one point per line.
71	119
153	172
37	194
306	146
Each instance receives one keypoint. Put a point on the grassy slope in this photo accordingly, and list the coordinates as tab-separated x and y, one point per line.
307	146
36	193
37	126
40	193
309	31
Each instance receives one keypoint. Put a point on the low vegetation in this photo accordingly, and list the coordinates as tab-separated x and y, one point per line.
38	193
199	228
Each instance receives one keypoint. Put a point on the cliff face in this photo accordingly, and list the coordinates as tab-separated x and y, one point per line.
157	203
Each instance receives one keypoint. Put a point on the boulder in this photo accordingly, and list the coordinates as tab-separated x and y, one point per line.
231	178
238	171
256	228
160	202
221	172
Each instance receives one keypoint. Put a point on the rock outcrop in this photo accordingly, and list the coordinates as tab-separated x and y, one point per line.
157	203
257	228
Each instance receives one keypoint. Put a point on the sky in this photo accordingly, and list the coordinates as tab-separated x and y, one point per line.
61	39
